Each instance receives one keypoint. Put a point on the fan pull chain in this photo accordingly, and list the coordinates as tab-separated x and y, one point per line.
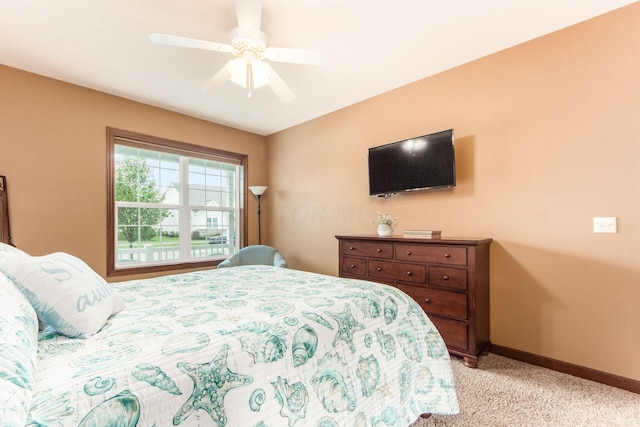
250	78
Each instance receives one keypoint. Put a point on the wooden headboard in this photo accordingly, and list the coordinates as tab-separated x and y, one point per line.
5	235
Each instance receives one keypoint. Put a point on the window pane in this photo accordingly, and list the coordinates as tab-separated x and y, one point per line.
212	183
146	176
147	235
213	233
168	178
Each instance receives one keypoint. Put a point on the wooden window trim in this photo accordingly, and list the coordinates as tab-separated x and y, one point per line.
119	136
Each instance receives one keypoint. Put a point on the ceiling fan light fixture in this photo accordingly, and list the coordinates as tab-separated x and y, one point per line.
238	71
250	69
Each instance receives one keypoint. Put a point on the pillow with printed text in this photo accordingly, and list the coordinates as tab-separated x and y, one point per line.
64	291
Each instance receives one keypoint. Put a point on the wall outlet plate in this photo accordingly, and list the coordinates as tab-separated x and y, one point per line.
605	224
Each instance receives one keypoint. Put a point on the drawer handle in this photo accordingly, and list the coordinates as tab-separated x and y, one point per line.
427	300
379	268
445	277
351	248
447	255
408	252
378	250
352	266
409	273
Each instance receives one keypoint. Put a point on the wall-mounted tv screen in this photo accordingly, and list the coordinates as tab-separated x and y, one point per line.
421	163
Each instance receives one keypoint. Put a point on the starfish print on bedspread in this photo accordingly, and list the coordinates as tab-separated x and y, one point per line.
347	325
211	382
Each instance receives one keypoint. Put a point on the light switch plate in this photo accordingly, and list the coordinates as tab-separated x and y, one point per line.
605	224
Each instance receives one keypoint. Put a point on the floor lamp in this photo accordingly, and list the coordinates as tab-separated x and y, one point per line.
258	191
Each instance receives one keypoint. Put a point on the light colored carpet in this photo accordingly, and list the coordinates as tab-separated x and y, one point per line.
505	392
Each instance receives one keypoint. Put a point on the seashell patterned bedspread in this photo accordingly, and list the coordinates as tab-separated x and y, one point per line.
248	346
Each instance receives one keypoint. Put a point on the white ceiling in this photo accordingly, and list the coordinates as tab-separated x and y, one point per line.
379	45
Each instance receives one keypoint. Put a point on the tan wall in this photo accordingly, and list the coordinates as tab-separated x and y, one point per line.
53	152
547	138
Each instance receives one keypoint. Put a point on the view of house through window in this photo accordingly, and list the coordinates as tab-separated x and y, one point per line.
172	207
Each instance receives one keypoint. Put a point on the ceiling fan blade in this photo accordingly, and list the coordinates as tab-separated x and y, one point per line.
278	86
299	56
220	78
249	15
188	42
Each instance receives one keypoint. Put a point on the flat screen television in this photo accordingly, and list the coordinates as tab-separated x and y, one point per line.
421	163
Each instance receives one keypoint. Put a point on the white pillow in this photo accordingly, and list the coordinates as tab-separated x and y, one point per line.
7	251
65	292
18	345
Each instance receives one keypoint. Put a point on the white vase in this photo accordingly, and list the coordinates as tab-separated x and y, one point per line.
384	230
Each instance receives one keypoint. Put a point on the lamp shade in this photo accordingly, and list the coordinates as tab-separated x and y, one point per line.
258	190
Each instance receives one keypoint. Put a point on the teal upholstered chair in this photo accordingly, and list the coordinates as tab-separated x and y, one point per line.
255	255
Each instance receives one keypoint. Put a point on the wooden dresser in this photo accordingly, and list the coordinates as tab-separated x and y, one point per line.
448	277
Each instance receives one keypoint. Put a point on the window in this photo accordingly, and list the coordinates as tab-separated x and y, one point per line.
172	205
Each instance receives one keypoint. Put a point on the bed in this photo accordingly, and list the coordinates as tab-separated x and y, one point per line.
246	346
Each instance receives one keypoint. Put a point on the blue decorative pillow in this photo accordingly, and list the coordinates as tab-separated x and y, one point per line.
18	347
65	292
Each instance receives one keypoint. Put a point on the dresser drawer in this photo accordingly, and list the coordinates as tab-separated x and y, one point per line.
453	332
413	273
448	277
436	254
444	303
367	249
354	266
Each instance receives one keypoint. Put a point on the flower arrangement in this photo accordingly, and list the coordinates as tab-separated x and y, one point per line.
384	218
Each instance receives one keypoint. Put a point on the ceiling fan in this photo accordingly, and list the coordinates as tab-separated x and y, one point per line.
249	68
